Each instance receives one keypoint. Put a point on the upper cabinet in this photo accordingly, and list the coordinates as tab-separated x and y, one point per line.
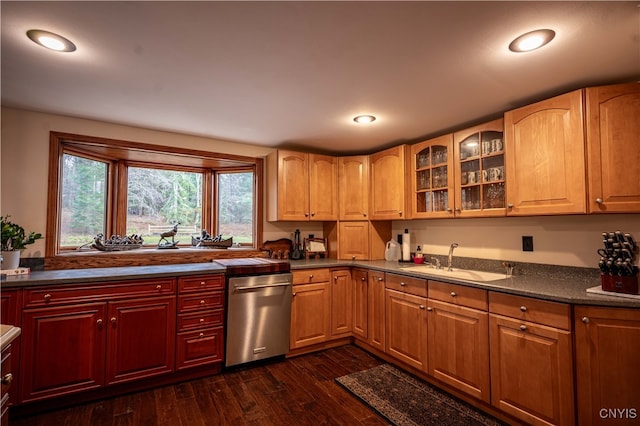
613	147
431	178
479	170
545	157
387	193
302	186
353	184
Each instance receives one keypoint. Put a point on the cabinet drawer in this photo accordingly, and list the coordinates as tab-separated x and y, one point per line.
200	347
6	370
199	320
58	295
200	301
553	314
200	283
409	285
307	276
459	295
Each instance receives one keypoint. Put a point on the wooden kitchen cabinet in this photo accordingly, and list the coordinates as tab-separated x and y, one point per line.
302	186
480	170
341	303
545	157
406	320
353	184
376	310
458	338
353	240
607	374
613	150
64	350
432	179
310	308
140	338
85	336
531	359
201	319
360	278
387	200
10	314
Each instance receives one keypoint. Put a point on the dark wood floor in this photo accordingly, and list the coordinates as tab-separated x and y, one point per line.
297	391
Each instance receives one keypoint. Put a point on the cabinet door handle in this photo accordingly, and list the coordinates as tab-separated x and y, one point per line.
363	279
306	214
335	278
523	328
421	306
599	200
400	212
585	320
99	322
201	320
449	209
313	214
311	276
202	302
429	309
402	283
364	214
453	294
380	278
7	379
293	294
201	335
457	210
47	297
510	205
523	308
202	283
113	320
158	287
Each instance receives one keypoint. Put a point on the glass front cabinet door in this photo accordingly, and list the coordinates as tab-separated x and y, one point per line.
432	178
479	170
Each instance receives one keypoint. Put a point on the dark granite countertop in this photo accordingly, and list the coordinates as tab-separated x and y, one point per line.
555	283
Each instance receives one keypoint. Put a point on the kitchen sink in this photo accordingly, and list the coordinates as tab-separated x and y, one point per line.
465	274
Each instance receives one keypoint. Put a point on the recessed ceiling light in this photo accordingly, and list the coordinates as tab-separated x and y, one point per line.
532	40
51	41
364	119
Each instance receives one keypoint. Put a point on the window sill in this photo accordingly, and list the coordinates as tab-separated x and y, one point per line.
144	257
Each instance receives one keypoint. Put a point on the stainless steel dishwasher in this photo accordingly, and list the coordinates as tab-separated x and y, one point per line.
258	317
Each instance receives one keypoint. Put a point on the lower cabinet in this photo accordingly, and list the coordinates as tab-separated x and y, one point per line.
458	338
531	359
341	303
406	330
607	373
10	314
310	308
139	336
375	308
360	293
109	338
64	350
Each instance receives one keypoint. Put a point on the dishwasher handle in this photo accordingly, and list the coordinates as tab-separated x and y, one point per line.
257	287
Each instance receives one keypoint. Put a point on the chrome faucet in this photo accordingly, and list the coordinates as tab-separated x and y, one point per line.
449	266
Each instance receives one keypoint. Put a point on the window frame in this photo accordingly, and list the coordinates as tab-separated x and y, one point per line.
120	155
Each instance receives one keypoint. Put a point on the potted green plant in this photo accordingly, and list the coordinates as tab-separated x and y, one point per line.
14	239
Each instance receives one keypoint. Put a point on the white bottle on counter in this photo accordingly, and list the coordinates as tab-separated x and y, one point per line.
406	246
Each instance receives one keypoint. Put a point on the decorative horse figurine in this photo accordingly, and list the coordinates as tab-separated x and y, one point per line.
172	233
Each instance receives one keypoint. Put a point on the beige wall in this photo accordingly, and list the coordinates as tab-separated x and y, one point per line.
558	240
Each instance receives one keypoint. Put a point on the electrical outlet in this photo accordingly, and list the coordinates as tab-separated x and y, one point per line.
527	243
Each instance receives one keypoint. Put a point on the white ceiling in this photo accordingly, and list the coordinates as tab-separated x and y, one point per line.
295	73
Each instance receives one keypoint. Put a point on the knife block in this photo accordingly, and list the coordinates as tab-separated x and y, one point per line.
618	284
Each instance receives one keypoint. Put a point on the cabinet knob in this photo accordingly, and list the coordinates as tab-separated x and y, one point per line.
313	214
306	214
585	320
335	278
421	306
158	287
311	276
523	328
599	200
457	210
402	283
7	379
429	309
380	279
99	322
523	308
400	212
47	297
201	334
201	320
202	302
113	320
202	283
453	294
449	209
364	214
363	279
510	205
293	294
